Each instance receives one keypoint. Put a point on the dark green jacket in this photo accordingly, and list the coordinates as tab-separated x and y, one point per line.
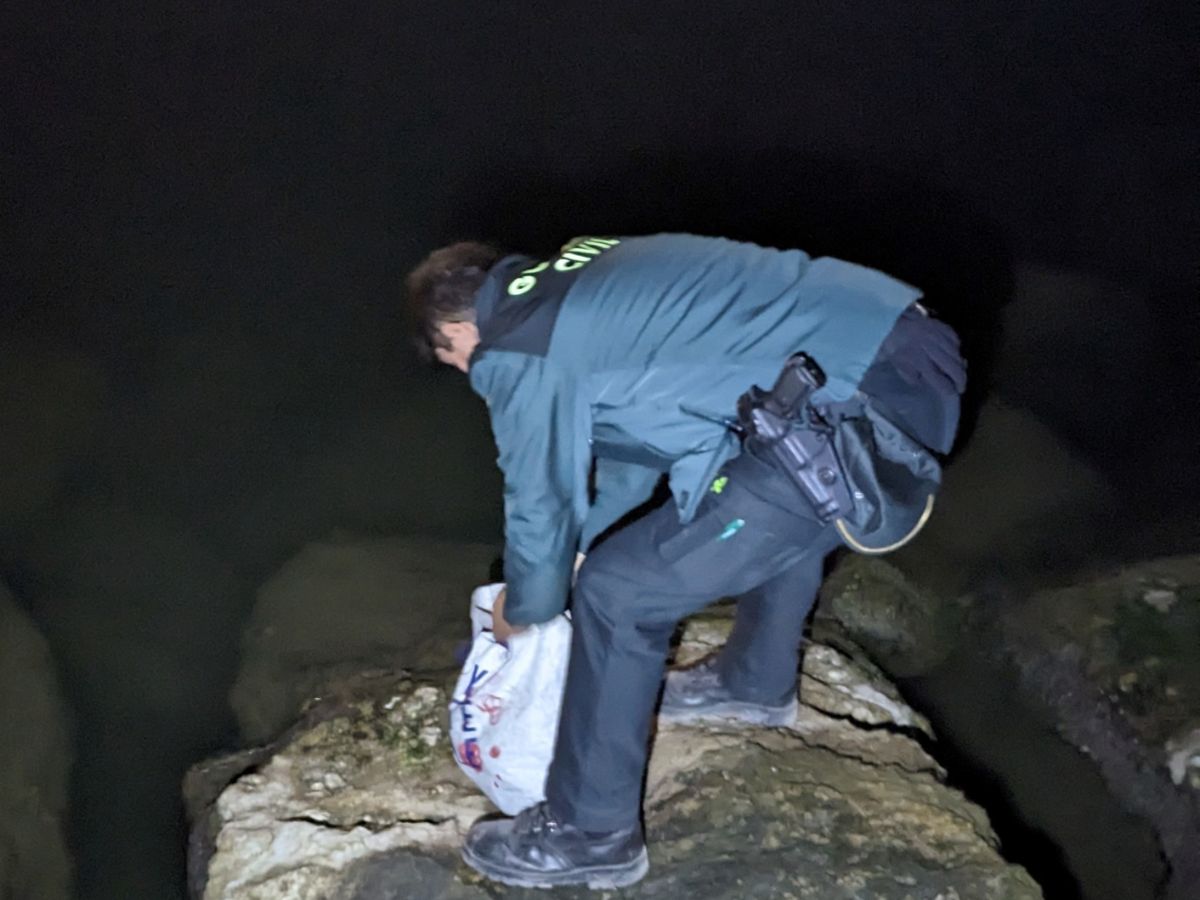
606	353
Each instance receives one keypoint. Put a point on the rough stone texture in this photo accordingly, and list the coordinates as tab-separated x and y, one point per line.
367	770
1137	634
837	684
35	761
907	629
345	605
1115	661
362	801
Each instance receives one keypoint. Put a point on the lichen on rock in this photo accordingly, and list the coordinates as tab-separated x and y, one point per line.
366	771
1120	679
1142	654
362	800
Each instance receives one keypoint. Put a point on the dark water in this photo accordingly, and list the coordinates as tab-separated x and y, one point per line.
142	574
1046	800
142	571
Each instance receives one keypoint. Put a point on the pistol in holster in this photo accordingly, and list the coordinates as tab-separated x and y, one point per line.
782	425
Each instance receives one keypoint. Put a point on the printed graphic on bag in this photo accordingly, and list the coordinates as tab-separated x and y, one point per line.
468	751
493	707
505	704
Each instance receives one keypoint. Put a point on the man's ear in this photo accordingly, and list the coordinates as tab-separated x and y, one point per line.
459	330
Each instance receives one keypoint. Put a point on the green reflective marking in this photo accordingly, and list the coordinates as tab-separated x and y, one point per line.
731	529
719	484
522	284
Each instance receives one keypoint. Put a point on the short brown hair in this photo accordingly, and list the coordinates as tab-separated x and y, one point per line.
442	289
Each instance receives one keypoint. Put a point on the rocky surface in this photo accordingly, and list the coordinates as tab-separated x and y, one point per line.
35	762
346	605
361	800
1112	662
1116	660
1017	509
1136	634
906	628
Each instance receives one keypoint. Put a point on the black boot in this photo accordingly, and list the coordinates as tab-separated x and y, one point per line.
535	850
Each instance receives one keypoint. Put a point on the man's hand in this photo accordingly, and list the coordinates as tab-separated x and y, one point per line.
501	630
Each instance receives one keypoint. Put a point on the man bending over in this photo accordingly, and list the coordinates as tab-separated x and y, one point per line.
614	363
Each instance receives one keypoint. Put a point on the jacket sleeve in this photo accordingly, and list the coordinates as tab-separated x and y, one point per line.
541	434
620	487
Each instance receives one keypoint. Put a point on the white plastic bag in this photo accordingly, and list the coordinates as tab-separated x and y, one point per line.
504	713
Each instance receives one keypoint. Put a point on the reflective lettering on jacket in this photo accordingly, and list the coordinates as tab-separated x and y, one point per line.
574	255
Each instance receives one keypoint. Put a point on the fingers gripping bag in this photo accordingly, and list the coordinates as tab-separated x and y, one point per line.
504	712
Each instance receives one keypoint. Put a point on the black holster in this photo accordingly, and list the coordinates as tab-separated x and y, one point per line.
783	426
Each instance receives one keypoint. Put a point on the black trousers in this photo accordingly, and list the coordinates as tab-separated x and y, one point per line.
631	593
754	537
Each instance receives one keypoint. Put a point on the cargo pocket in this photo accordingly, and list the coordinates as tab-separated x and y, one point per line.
730	513
700	532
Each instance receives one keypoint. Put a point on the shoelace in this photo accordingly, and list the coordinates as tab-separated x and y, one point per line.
537	819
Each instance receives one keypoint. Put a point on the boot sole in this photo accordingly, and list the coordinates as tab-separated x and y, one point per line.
732	711
597	878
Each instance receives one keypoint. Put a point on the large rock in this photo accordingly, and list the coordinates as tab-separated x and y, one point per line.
345	605
1015	505
1115	660
362	800
35	762
1136	633
906	629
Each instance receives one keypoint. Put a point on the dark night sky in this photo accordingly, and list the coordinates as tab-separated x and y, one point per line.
236	194
164	164
174	174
